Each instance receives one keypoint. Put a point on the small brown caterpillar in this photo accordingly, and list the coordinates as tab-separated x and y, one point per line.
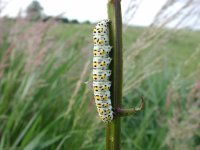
101	72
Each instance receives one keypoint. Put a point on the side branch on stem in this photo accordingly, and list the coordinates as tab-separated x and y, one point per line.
130	111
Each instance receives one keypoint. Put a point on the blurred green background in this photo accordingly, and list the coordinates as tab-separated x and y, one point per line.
46	102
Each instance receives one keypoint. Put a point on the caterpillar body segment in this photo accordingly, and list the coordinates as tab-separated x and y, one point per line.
101	51
100	40
103	104
101	71
101	75
101	63
101	96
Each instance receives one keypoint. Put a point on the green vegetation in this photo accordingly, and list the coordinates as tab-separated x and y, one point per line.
46	105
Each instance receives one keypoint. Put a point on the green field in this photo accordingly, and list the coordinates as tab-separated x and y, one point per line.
46	102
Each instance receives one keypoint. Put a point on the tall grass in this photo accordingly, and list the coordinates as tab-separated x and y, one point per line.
43	97
44	103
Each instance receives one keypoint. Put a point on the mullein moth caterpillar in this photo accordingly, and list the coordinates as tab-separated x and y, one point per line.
101	71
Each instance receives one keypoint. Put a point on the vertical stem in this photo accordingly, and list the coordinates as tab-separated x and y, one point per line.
113	130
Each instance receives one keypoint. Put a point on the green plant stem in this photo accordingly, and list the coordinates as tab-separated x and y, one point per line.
113	129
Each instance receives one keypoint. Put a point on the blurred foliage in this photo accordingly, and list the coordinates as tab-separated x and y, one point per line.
74	21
